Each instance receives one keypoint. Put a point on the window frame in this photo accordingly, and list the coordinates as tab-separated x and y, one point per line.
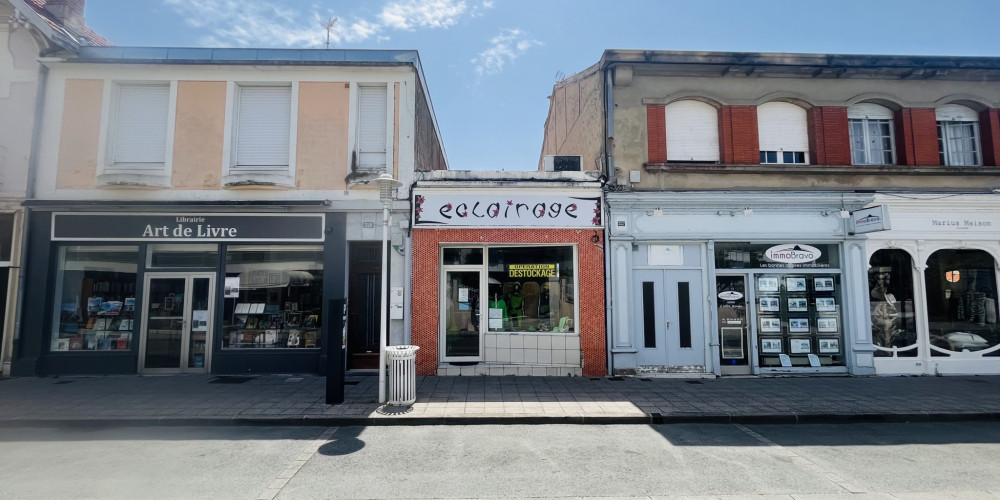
946	154
236	175
780	158
110	172
867	139
686	109
359	123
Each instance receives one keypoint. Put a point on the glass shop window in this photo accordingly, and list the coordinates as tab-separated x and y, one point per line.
890	297
799	316
163	256
962	301
95	298
273	297
531	289
6	236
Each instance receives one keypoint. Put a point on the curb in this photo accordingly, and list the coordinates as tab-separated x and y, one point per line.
651	419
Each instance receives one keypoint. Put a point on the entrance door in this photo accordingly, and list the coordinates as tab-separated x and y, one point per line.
462	339
669	316
177	324
734	331
363	305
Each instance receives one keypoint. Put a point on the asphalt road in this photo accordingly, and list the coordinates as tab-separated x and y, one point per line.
942	460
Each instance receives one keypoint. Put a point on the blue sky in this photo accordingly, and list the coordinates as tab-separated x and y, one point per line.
490	65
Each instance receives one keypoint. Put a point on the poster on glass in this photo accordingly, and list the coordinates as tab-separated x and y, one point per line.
795	284
798	304
767	284
770	324
798	325
826	325
799	346
768	304
770	345
829	346
826	304
823	284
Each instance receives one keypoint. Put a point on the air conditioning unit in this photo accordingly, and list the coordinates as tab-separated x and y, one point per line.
552	163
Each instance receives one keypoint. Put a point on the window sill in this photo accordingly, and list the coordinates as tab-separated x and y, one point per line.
361	177
258	179
133	179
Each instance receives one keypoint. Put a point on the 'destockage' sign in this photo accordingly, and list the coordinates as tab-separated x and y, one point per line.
498	211
532	270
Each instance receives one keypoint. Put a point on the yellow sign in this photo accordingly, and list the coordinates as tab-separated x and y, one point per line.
532	271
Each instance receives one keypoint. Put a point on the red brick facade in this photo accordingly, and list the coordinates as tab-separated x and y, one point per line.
916	137
425	305
738	140
656	133
829	136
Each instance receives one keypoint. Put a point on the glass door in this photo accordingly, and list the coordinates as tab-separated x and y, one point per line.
177	323
462	336
734	331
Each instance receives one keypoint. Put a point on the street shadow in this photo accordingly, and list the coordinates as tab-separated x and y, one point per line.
343	442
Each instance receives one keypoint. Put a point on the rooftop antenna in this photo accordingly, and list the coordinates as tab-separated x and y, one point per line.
329	27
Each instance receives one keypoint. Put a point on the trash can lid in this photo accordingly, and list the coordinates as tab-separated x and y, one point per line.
402	348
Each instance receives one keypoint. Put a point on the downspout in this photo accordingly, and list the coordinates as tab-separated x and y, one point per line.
29	194
609	174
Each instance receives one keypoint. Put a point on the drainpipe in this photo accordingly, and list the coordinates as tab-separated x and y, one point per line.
609	174
29	194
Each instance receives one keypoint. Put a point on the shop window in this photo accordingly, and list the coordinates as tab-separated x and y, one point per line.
167	256
95	298
531	289
890	297
871	135
783	133
273	297
6	236
798	315
962	301
462	256
372	126
692	132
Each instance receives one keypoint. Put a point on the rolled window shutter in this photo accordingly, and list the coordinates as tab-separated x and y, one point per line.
141	124
372	126
782	127
264	119
692	131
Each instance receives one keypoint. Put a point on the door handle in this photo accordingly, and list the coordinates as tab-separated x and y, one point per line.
668	324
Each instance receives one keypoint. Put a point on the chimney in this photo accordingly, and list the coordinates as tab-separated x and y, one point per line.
69	13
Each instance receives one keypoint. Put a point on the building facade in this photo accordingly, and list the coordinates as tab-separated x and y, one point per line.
215	210
32	28
508	274
741	191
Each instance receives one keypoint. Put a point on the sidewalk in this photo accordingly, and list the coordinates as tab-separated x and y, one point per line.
299	400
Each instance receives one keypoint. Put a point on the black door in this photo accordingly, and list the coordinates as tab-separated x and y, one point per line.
365	284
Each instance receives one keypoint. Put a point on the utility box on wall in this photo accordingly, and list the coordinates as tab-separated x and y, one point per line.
396	303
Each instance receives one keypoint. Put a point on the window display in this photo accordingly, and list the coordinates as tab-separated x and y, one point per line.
890	296
803	310
530	289
95	298
962	301
275	297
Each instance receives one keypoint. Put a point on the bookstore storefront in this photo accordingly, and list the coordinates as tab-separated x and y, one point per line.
179	292
508	283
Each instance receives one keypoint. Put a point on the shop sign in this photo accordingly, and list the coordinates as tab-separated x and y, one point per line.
730	295
533	270
792	253
870	219
505	210
187	227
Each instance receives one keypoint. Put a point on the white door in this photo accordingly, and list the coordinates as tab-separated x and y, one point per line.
177	322
668	318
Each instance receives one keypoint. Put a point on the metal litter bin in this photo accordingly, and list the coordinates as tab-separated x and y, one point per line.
402	361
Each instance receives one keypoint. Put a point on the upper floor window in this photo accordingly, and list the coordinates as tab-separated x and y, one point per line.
692	132
263	121
871	135
958	136
783	133
138	138
372	128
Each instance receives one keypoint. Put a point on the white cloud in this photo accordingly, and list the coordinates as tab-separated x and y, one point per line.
504	48
264	24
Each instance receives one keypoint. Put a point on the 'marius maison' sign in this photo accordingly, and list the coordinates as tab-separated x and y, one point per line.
506	210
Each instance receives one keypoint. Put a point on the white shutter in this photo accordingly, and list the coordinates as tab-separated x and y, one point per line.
782	127
264	116
956	113
371	126
141	124
692	131
867	110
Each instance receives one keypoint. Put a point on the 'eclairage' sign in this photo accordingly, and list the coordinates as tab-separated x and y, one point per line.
515	211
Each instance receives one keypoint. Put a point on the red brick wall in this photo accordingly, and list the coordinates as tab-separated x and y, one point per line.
656	133
738	139
916	137
426	280
989	130
829	136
